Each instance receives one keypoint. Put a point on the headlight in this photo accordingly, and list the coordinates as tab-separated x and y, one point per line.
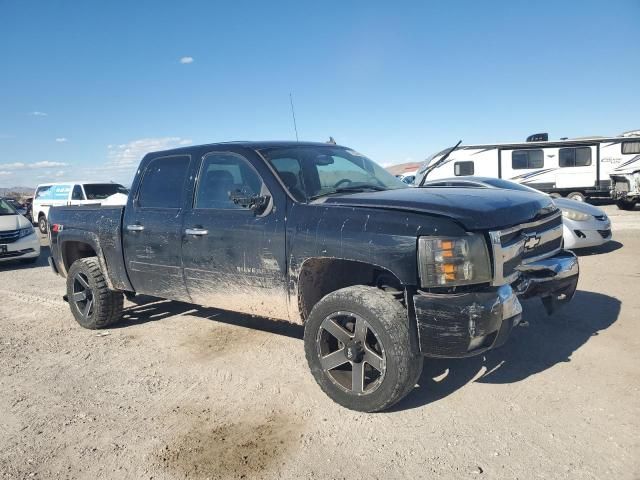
25	232
451	261
575	215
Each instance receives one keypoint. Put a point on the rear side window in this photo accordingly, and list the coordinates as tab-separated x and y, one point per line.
524	159
163	182
574	157
631	147
462	169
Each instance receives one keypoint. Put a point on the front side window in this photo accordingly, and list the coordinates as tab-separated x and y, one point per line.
44	192
463	169
574	157
163	182
310	171
525	159
223	177
77	193
631	147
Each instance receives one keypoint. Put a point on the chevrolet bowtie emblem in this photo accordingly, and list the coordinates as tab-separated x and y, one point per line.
531	242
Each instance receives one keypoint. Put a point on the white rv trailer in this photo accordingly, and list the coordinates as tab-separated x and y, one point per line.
574	168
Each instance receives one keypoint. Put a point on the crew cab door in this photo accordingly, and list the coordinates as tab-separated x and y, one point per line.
152	227
234	256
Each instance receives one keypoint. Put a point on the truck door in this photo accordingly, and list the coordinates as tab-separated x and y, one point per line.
152	228
233	256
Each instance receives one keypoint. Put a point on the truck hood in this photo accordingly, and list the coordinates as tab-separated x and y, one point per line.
474	208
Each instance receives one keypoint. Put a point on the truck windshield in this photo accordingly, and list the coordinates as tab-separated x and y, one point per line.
100	191
311	172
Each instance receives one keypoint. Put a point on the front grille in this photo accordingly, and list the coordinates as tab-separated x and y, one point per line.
18	253
604	233
9	236
622	186
523	244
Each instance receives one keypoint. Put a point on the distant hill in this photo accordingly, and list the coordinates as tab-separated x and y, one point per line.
25	191
403	167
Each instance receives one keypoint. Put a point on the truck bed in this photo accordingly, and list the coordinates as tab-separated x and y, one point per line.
100	227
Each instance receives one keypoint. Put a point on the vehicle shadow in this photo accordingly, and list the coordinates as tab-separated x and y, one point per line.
608	247
149	309
547	341
19	265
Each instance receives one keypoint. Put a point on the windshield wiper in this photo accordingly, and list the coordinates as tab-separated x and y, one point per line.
352	189
430	168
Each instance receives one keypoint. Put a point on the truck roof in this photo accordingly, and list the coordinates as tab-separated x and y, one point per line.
254	145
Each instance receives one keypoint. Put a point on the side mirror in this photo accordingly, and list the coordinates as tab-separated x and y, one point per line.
255	203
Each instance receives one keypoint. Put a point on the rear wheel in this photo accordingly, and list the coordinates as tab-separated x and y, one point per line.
577	196
626	204
357	344
42	224
92	303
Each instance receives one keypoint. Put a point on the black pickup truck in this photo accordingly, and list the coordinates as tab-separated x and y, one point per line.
379	273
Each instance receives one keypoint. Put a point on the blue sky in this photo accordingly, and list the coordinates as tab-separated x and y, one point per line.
87	87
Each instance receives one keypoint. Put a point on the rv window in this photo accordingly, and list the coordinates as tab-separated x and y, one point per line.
575	157
523	159
462	169
631	147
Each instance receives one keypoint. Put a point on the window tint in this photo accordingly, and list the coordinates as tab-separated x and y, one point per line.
631	147
523	159
463	168
291	175
575	157
100	191
77	193
224	174
163	183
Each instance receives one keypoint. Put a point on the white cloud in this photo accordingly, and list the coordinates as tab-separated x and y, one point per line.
61	139
128	155
38	114
59	173
186	60
5	173
31	166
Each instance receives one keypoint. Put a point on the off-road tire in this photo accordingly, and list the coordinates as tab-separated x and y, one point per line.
388	319
107	304
626	204
42	224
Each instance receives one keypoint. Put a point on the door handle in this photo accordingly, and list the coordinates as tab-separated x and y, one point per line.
196	231
135	228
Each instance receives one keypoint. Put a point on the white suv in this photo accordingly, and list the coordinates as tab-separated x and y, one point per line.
69	193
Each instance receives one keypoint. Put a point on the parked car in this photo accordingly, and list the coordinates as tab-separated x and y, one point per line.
17	236
69	193
380	274
584	225
20	208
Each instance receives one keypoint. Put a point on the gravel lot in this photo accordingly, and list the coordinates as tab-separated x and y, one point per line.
178	391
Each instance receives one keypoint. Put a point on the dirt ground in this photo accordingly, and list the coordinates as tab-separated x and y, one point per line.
178	391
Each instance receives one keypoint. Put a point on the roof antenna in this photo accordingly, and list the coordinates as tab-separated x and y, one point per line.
293	114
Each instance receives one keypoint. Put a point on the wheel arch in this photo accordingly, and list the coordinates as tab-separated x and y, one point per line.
319	276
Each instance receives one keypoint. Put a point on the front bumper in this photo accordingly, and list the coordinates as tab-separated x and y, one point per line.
25	247
586	234
470	323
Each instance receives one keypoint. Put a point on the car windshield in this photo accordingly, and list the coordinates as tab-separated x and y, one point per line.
100	191
6	208
310	172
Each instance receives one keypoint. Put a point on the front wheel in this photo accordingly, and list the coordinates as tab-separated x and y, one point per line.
42	224
577	196
626	204
357	344
92	303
